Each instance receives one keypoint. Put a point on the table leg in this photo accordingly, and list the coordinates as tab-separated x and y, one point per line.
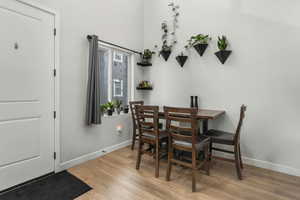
204	126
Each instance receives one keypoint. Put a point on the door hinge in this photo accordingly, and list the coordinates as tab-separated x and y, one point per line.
54	114
54	31
54	155
54	72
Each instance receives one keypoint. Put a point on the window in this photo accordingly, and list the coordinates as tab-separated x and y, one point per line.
118	88
115	69
118	57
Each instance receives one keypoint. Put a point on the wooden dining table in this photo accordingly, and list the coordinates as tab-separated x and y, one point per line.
203	115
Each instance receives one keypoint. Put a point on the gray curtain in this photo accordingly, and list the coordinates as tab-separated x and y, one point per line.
93	111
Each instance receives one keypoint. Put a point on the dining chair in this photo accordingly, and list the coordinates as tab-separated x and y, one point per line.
182	128
132	105
232	139
149	133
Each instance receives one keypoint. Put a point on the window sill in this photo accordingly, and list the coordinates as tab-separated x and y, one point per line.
115	115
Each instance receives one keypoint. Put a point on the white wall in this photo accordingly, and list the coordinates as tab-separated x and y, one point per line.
116	21
263	71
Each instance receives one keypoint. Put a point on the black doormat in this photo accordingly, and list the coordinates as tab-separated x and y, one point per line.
61	186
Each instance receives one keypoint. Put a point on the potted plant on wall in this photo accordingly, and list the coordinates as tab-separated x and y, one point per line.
144	85
118	104
166	48
223	54
181	59
146	57
199	42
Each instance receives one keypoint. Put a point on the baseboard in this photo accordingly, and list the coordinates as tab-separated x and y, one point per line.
265	164
272	166
94	155
249	161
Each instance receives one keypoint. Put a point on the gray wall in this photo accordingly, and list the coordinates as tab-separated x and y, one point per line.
262	72
78	19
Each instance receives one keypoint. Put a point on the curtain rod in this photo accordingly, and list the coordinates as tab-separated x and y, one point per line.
115	45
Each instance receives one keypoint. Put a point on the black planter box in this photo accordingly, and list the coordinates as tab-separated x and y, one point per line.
144	64
200	48
181	60
223	55
165	54
109	112
141	88
126	110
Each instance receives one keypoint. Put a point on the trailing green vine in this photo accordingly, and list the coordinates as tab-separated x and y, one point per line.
166	33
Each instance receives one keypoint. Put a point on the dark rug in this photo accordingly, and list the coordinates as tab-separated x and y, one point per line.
61	186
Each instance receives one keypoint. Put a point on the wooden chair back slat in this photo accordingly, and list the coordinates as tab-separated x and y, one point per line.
148	115
180	119
152	132
239	127
179	137
146	124
181	129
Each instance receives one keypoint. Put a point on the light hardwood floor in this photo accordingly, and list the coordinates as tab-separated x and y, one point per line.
114	177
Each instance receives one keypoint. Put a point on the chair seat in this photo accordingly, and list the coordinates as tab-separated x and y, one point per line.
220	137
199	145
162	135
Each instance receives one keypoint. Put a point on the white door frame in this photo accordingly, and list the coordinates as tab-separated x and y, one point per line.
56	105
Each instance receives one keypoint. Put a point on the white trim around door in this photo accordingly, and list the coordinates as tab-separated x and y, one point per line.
56	76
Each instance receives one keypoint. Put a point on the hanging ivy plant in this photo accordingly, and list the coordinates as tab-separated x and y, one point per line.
166	48
167	45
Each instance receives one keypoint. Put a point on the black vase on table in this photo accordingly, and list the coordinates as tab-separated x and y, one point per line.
110	112
192	102
196	102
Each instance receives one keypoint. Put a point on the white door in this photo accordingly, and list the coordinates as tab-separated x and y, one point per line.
26	93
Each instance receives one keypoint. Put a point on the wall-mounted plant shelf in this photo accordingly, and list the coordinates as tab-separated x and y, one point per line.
223	55
146	58
165	54
144	64
200	48
144	85
141	88
181	59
